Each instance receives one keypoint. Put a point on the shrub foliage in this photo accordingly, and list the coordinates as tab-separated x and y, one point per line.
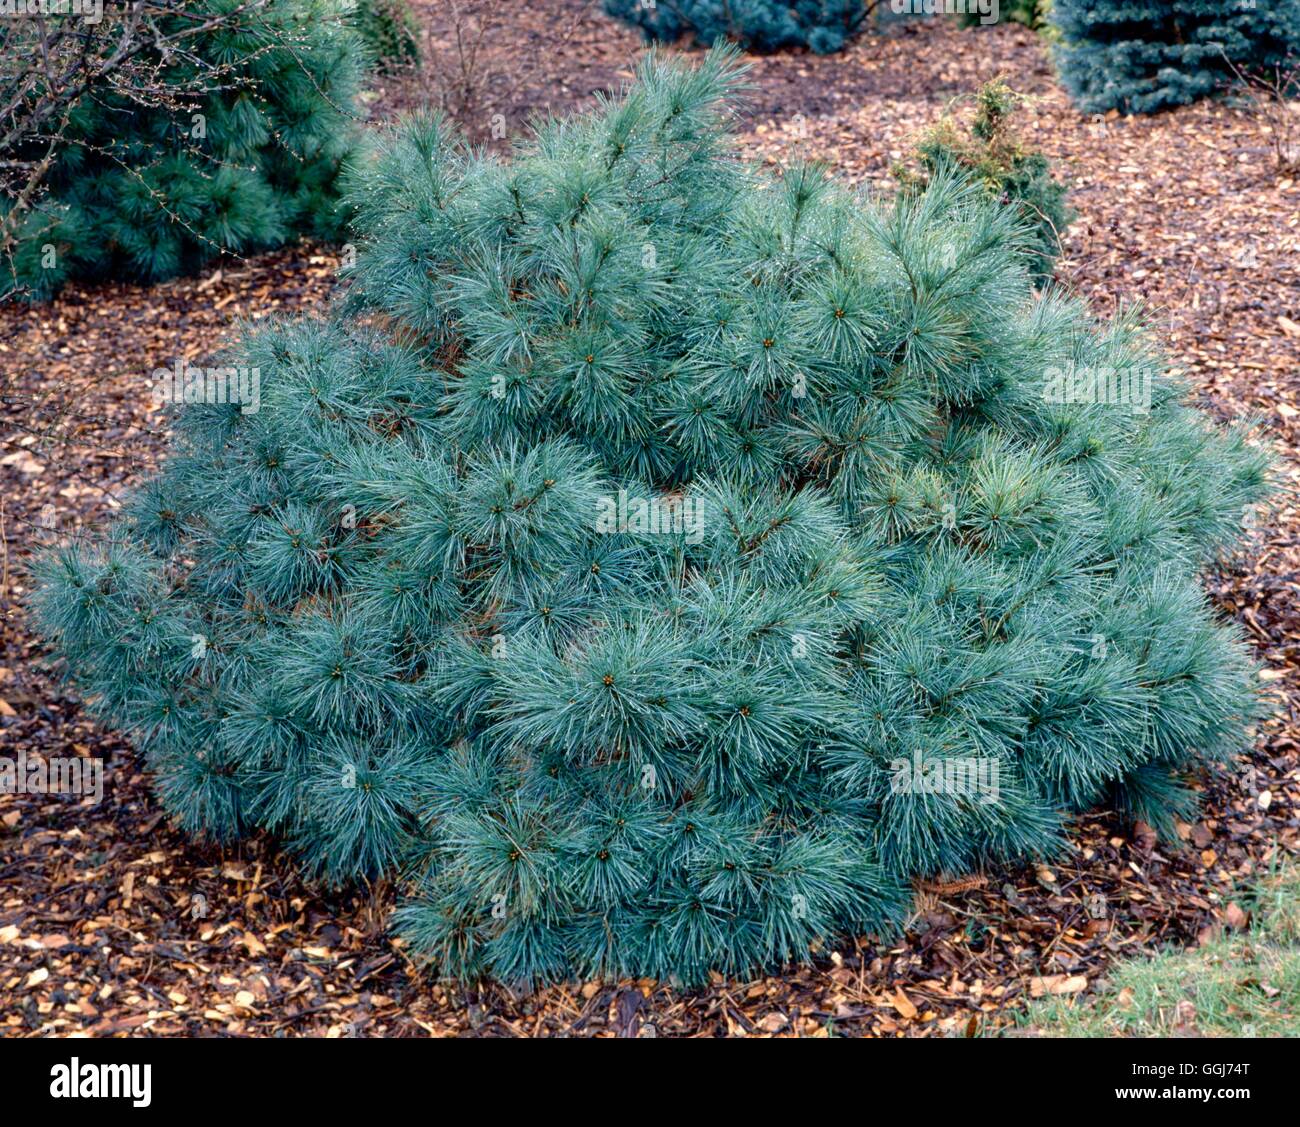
1032	13
642	566
246	156
1139	56
390	31
824	26
993	154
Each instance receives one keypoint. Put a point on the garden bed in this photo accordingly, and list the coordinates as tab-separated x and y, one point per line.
111	922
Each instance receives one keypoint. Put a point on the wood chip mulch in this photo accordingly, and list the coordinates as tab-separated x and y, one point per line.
112	923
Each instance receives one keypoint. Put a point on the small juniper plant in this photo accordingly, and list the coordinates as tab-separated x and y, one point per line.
991	152
663	564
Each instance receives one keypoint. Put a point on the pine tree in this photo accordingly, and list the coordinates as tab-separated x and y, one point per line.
149	186
663	564
1139	56
824	26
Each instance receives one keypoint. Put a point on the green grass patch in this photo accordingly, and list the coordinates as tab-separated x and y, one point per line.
1243	983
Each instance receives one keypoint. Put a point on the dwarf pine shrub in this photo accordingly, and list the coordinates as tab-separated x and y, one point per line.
244	156
664	563
1148	56
824	26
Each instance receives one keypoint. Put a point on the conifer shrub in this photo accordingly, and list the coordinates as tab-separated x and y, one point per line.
148	188
1148	56
662	563
823	26
390	31
1033	14
990	151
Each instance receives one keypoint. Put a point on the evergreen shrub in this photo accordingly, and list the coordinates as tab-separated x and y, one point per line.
390	31
146	190
1139	56
1031	13
664	563
991	151
824	26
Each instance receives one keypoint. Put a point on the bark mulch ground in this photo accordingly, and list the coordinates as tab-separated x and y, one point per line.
112	923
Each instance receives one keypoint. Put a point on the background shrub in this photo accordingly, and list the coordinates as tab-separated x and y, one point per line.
148	187
824	26
1147	56
390	31
991	151
1031	13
